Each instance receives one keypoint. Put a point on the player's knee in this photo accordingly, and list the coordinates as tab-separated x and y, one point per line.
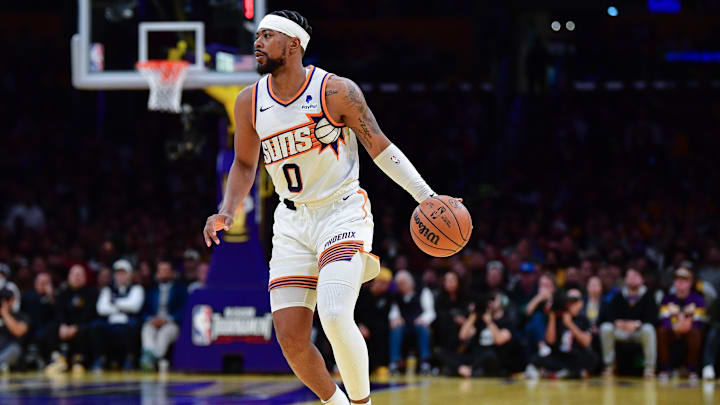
335	313
332	316
292	342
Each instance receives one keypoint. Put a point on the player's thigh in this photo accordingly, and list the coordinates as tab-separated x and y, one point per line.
292	296
293	327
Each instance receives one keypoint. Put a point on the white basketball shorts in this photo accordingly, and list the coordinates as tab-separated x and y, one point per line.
311	236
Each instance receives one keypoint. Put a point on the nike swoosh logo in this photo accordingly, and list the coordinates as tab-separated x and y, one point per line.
345	198
266	108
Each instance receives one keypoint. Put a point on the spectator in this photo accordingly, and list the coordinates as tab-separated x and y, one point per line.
75	309
13	327
490	331
27	212
202	272
525	285
593	310
371	314
712	342
39	305
191	260
682	317
119	307
702	285
630	317
586	271
163	313
451	308
104	278
412	311
594	301
536	312
568	334
144	275
710	271
5	283
494	278
609	281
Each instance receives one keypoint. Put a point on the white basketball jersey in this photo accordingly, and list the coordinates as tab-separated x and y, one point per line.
303	167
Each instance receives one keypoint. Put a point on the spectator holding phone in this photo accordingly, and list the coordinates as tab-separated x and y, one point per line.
569	335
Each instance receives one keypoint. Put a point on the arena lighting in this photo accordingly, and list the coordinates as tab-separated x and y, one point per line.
570	25
120	11
556	25
664	6
693	56
249	7
612	11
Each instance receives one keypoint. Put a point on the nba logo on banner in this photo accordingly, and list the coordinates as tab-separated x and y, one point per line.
202	325
97	57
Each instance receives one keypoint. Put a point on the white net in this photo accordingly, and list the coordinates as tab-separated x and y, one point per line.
166	80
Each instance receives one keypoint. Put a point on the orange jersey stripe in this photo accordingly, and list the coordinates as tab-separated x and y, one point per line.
292	284
365	196
294	281
342	243
336	256
324	105
302	88
254	103
339	251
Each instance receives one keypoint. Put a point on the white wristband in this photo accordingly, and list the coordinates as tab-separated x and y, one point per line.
396	166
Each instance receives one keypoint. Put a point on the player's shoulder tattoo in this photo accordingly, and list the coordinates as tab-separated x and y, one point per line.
332	83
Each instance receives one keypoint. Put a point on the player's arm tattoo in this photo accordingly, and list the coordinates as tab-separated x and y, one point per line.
355	100
330	92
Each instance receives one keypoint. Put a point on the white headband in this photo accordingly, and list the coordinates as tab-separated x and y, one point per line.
286	26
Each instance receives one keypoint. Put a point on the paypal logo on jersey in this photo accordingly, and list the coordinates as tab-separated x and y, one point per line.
307	105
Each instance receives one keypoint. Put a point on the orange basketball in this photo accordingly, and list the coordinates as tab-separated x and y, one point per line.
440	226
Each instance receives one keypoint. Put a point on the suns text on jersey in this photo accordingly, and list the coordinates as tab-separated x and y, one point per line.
288	144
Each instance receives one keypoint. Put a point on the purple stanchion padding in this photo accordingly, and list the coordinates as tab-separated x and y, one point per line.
230	317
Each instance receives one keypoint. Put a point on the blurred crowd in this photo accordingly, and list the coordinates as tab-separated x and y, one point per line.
569	323
595	226
595	229
115	322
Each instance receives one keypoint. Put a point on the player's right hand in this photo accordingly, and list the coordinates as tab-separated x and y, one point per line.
213	224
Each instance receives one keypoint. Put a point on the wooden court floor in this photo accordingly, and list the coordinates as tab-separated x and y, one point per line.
155	389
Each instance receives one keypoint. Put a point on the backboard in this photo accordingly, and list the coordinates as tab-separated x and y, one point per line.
215	36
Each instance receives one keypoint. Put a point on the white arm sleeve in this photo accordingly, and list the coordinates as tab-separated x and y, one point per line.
427	302
133	302
397	166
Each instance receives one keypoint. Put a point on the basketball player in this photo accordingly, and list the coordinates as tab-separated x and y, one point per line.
307	123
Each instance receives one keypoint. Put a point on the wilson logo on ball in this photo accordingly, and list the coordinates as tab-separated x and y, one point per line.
424	231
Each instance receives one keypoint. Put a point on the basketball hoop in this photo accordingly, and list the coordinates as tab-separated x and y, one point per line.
165	78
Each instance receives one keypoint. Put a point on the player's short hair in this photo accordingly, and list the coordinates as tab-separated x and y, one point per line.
295	17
